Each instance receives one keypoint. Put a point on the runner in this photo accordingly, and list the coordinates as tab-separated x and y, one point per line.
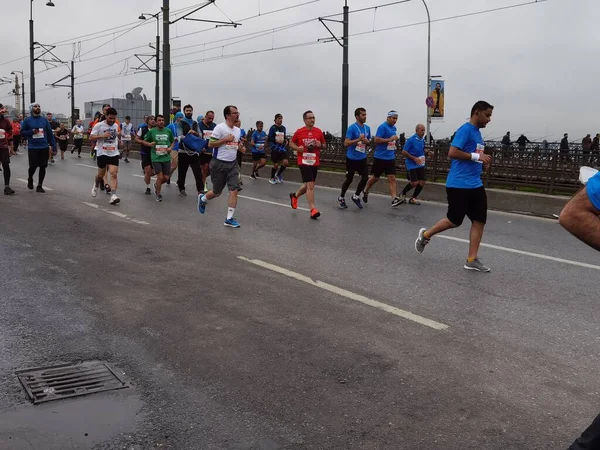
53	126
259	158
62	135
126	134
6	150
384	159
107	138
160	140
224	169
465	191
240	155
414	152
308	141
175	153
145	152
188	158
77	132
207	125
16	132
90	128
40	138
358	137
277	142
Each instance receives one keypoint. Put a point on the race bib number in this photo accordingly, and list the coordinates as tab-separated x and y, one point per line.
2	133
109	146
279	137
260	146
361	147
479	150
232	146
309	159
126	137
78	136
422	160
39	134
161	150
207	134
392	146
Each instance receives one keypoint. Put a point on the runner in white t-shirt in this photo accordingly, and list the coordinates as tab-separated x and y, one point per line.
224	170
107	138
77	132
126	134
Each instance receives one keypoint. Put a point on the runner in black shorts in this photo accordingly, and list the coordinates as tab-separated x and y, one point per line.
206	125
145	152
277	143
465	191
414	154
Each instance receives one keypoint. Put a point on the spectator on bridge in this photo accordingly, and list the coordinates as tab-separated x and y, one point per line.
522	141
506	140
564	147
595	149
586	145
402	141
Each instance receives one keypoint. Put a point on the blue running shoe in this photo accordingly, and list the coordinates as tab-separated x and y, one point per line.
357	202
279	179
342	203
232	223
201	204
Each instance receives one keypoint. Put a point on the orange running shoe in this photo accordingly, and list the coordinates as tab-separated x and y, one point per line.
293	200
314	213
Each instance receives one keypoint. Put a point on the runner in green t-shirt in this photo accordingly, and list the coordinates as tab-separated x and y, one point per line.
161	141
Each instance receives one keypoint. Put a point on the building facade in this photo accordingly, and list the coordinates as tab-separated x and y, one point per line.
134	108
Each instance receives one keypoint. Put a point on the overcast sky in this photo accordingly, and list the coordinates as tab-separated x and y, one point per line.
536	64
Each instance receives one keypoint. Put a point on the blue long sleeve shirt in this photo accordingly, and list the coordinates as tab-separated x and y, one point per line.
43	139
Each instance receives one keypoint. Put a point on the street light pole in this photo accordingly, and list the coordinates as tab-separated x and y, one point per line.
14	72
345	71
31	57
428	135
157	82
166	70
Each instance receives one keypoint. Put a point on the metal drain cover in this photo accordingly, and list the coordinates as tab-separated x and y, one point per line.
44	384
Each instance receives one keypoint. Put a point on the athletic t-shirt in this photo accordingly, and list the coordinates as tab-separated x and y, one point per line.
466	174
62	135
207	131
593	190
305	138
126	131
163	139
357	151
77	131
141	133
386	151
228	151
242	133
259	138
277	138
415	146
109	146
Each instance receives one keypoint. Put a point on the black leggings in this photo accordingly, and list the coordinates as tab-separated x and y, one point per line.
239	157
359	167
78	143
186	161
6	172
589	439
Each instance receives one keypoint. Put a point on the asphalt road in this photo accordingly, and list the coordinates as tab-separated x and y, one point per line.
290	333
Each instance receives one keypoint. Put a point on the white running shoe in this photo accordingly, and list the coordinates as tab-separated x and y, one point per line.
94	190
114	199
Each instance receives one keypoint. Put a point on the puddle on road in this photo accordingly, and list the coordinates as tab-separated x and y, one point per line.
79	423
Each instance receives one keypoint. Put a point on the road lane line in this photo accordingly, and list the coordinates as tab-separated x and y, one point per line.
522	252
272	203
116	213
87	165
351	295
46	188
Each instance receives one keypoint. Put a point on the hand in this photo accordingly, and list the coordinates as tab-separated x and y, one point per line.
194	132
241	147
365	140
361	137
486	160
105	135
11	152
36	130
229	138
393	138
318	144
169	150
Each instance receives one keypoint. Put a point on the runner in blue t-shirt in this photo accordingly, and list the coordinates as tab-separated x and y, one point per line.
581	217
358	137
414	154
466	195
258	141
384	159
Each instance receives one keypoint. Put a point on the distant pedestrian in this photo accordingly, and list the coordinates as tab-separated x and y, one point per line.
6	150
522	141
564	147
402	140
586	145
595	158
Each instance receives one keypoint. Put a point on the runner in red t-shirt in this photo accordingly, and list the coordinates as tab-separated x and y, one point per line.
308	142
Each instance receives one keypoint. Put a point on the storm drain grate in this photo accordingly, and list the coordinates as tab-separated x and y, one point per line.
44	384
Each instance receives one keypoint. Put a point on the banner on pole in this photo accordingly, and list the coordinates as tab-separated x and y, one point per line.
436	93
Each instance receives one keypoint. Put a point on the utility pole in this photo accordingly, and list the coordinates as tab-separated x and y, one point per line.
157	83
427	133
31	56
17	94
72	93
166	63
345	71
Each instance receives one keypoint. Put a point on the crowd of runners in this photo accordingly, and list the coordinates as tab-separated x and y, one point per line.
216	151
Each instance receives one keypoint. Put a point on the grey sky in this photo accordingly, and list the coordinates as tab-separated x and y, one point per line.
535	64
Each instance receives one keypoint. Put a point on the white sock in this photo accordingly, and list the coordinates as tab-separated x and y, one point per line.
148	185
230	213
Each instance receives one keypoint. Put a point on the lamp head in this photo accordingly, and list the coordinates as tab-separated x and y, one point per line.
142	17
50	3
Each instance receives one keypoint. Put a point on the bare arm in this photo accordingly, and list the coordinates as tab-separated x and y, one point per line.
582	219
294	147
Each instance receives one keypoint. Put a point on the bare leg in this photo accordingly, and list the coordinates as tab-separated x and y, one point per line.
301	191
114	184
439	227
372	180
310	194
160	179
392	181
147	174
475	236
232	200
100	176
